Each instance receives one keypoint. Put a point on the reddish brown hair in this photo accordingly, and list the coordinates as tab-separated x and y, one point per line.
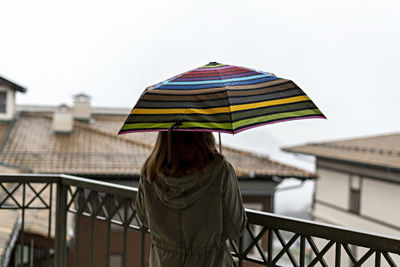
190	152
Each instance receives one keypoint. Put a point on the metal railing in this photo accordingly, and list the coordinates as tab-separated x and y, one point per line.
87	220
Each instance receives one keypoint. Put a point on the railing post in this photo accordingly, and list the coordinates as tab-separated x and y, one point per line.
60	257
240	262
143	245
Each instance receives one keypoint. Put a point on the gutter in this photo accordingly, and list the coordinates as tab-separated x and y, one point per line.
290	187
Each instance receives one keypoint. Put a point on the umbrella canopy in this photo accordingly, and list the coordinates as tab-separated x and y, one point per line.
219	98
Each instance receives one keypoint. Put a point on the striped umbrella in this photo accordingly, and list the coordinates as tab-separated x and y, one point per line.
219	98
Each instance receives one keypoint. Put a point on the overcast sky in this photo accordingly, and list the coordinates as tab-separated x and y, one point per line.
344	54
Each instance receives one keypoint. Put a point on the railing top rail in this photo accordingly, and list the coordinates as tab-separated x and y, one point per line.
31	177
95	185
379	242
100	186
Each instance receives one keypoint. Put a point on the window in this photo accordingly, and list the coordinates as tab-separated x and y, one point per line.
355	194
24	250
3	102
355	201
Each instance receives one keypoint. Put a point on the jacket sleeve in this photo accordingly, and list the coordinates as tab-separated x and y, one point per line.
140	203
234	215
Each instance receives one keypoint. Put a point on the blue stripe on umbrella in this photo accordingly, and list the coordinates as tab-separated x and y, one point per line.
205	86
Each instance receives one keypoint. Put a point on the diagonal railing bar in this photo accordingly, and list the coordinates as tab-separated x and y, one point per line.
321	254
118	206
365	257
118	210
101	202
235	251
72	195
80	210
316	250
37	195
259	262
135	221
112	207
285	247
138	223
9	194
255	243
349	253
254	239
104	206
389	259
78	203
89	203
131	208
130	218
262	254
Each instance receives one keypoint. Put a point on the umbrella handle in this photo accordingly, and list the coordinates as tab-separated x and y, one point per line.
169	153
220	144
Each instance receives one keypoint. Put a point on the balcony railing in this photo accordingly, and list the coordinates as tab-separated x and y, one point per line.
61	220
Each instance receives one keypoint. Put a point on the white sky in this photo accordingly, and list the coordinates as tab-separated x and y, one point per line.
344	54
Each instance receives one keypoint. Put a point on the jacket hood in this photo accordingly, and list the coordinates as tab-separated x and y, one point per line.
181	192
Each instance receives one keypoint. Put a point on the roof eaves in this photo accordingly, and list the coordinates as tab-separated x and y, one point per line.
361	164
12	85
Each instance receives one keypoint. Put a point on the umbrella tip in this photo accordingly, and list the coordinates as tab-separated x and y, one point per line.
213	63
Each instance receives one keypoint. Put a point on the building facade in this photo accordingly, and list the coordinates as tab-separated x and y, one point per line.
358	183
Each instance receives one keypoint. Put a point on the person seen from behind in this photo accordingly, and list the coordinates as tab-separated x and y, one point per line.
191	205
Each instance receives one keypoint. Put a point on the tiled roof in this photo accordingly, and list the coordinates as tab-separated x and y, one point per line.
95	149
381	151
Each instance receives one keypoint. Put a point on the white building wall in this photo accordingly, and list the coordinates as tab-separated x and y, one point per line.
339	217
332	187
381	200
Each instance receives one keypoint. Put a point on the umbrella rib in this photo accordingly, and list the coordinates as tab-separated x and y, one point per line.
227	97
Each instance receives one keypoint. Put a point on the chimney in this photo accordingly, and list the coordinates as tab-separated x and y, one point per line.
82	110
63	120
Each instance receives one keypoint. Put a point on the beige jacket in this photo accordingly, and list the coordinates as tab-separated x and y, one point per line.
191	217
